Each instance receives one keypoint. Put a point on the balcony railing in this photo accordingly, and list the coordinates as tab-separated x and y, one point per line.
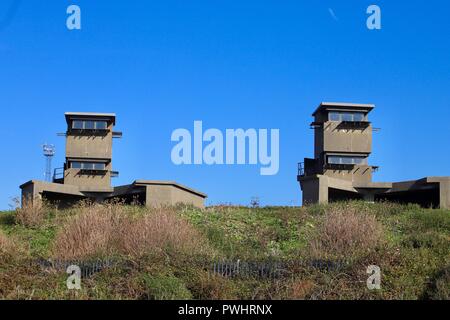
301	169
58	174
114	174
353	125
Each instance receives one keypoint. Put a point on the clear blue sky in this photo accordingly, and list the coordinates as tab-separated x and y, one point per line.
160	65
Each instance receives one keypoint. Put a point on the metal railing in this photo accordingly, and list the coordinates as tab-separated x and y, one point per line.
58	174
114	174
301	169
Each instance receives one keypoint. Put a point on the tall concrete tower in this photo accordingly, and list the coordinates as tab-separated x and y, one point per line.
89	151
342	145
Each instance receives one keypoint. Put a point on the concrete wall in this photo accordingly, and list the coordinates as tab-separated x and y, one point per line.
346	140
444	194
315	190
183	196
88	182
360	174
34	190
89	146
160	195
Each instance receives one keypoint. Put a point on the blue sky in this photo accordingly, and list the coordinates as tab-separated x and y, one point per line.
160	65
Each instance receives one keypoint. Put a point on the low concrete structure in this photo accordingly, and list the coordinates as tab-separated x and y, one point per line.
340	168
87	171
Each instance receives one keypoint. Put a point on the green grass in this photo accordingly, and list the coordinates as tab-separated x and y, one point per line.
414	258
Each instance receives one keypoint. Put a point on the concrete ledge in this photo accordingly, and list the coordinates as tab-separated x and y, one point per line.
172	183
41	186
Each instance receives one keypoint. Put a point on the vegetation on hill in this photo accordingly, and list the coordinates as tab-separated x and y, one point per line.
314	252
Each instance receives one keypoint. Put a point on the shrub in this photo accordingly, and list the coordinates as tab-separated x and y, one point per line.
166	287
439	288
346	233
429	239
32	212
204	285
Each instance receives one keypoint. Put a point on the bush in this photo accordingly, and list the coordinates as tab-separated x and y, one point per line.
439	288
345	234
429	239
166	287
32	212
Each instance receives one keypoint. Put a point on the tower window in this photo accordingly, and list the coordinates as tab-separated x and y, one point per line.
88	165
101	125
345	116
77	125
347	160
334	116
89	125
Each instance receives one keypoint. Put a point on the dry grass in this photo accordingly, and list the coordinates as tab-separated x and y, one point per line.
159	231
346	233
104	230
8	248
301	289
32	213
90	233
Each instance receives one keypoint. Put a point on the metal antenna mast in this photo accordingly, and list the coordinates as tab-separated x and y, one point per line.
49	152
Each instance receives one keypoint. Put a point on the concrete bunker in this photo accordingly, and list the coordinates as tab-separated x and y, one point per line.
87	171
340	169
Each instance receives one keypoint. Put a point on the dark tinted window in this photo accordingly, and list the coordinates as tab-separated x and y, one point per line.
76	165
346	160
89	125
358	116
77	124
88	165
99	166
347	116
334	116
334	160
100	125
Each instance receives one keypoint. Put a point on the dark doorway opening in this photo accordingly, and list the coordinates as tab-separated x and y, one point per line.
427	198
136	197
61	200
342	195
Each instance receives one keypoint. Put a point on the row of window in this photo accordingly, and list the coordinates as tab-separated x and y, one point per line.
89	125
345	116
87	165
347	160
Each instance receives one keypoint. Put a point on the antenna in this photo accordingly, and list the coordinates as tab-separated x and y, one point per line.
49	152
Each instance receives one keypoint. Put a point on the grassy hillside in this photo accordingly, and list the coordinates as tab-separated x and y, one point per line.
321	252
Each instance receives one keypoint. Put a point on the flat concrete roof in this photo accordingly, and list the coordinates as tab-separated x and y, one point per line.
111	116
171	183
53	187
344	105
